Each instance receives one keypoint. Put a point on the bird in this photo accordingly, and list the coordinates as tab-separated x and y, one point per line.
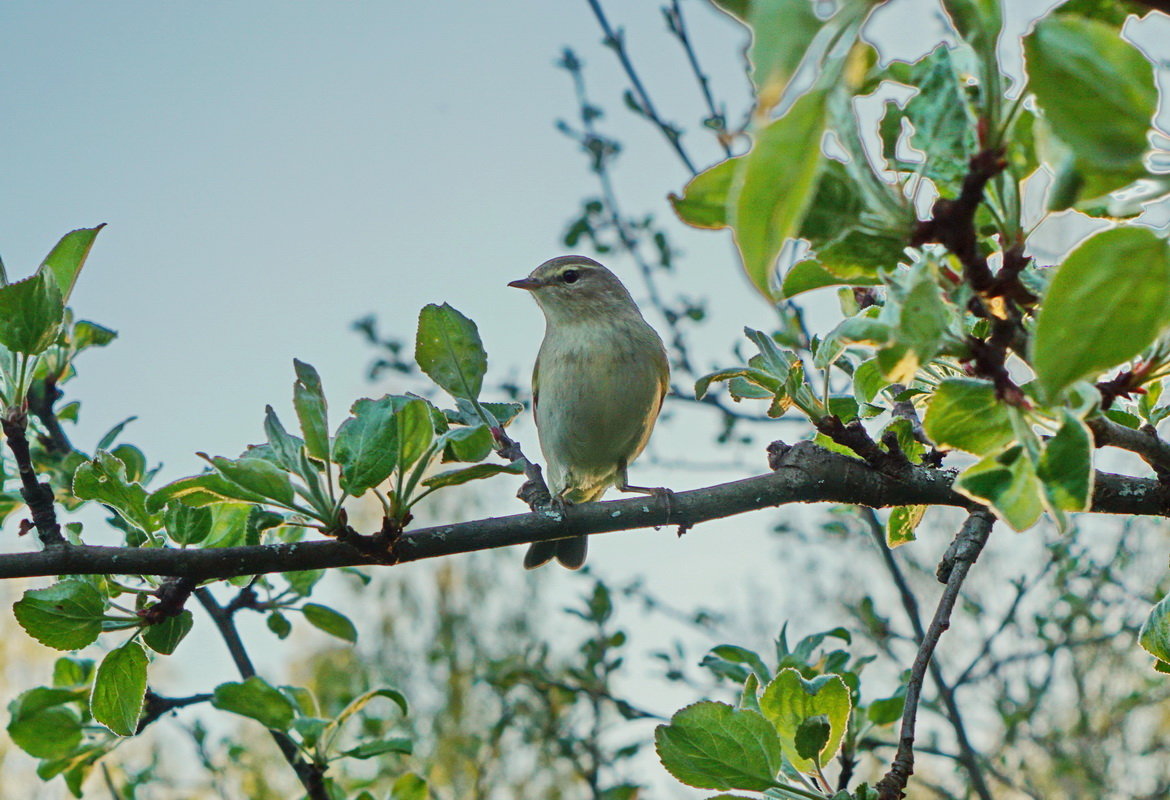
597	388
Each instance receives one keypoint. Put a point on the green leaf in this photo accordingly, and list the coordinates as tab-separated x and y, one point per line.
455	477
703	203
87	334
207	489
1111	296
448	349
163	637
278	623
119	688
718	659
380	747
923	317
229	524
774	184
312	410
714	746
31	312
73	672
68	256
465	443
758	377
256	699
1096	90
782	31
185	524
1007	482
812	735
979	23
382	435
789	700
42	725
886	711
64	616
256	477
103	478
332	622
285	447
943	123
1066	465
409	787
964	413
1155	633
810	274
901	524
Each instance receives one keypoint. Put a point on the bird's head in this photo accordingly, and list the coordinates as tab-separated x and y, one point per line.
577	288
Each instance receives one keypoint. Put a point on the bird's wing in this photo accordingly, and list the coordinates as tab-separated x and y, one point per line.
663	380
535	373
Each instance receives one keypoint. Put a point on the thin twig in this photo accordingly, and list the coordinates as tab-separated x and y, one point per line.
677	24
311	776
616	41
155	706
967	755
963	552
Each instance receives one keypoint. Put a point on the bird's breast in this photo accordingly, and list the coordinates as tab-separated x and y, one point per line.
599	399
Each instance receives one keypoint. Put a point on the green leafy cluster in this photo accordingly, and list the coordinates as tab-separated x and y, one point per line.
788	724
39	340
396	439
277	491
999	365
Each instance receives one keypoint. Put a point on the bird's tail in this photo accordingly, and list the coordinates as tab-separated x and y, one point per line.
570	552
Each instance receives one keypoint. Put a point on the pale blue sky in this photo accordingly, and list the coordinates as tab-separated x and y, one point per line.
270	171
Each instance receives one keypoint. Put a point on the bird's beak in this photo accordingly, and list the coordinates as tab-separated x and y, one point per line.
527	283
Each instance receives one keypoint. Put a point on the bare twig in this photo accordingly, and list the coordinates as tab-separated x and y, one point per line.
615	40
967	755
311	776
155	706
963	552
677	24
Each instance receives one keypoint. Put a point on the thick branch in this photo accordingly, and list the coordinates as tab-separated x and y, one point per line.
310	775
962	554
805	473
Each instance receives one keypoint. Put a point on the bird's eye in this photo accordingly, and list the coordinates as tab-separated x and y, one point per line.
570	276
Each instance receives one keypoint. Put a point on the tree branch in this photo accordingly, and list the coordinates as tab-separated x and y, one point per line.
967	755
805	473
155	706
1153	449
960	556
311	776
616	41
38	496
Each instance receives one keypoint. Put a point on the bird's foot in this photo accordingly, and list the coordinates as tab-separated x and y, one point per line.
660	492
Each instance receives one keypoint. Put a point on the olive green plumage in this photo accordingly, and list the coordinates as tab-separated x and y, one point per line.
597	387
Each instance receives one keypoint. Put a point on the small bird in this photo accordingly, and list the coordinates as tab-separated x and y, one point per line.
597	388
